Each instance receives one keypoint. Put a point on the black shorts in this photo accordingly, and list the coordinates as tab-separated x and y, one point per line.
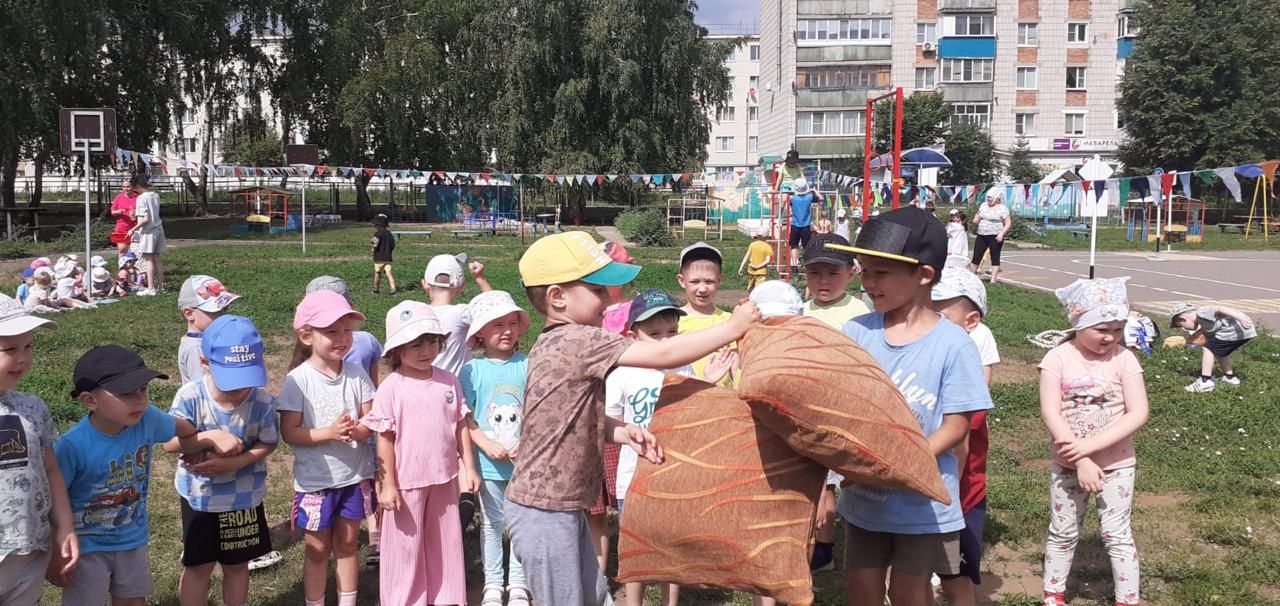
228	538
1222	349
800	236
971	545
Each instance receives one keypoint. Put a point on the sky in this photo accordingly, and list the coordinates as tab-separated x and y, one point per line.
728	11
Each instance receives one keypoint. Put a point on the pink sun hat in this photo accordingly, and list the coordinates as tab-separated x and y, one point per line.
321	309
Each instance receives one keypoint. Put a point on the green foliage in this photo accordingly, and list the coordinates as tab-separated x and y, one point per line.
645	227
70	240
1020	168
925	121
972	153
249	140
1020	229
1198	90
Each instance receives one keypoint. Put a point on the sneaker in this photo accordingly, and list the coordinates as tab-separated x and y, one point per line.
1055	599
373	559
266	561
393	293
492	596
823	559
1200	386
1228	379
375	291
518	596
467	509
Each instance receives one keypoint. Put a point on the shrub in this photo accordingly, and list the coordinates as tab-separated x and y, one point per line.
645	228
1021	229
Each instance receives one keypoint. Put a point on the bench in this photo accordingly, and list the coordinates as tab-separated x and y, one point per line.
424	232
460	234
32	211
1232	227
1076	234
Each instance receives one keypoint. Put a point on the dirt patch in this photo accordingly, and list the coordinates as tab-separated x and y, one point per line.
1010	570
1156	500
1015	371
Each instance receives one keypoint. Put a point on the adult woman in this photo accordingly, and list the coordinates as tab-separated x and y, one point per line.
148	234
994	220
122	208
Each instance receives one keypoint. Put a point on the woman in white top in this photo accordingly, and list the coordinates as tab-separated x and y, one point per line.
148	234
994	220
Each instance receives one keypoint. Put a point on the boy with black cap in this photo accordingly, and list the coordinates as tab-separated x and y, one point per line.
700	276
935	365
106	464
383	244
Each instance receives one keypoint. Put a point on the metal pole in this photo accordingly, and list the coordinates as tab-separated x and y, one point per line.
897	147
88	249
521	210
302	219
866	165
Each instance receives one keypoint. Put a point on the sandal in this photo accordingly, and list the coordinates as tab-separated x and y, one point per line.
492	597
517	596
266	561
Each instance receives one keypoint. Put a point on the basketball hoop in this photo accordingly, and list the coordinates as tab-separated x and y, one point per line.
87	131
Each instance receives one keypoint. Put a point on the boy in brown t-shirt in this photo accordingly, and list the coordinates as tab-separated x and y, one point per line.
560	467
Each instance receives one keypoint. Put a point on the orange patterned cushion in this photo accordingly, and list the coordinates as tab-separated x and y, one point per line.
732	507
829	399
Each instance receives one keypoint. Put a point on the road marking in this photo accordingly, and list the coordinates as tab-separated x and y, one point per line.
1170	275
1257	306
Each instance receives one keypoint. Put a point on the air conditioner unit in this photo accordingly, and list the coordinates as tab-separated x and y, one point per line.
928	47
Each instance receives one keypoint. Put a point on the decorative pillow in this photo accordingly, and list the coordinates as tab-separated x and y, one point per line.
831	402
731	507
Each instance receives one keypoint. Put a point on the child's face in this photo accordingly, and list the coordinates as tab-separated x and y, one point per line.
502	334
579	302
1100	339
116	411
959	311
332	342
420	353
15	359
955	218
700	281
30	280
1186	321
892	284
827	281
201	320
658	328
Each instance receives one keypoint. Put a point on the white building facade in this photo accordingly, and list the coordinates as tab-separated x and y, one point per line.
734	143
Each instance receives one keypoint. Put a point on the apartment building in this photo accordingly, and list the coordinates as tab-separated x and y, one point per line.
734	142
1046	71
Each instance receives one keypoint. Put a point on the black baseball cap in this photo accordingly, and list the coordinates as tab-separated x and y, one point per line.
817	251
649	304
909	234
114	368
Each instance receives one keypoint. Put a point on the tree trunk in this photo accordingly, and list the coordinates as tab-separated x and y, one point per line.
37	188
8	176
196	190
364	206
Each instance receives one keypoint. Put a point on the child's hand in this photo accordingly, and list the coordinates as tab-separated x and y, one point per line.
66	557
644	443
742	270
745	315
215	466
471	483
340	429
1245	323
1075	449
720	364
477	270
389	498
225	444
1090	476
496	452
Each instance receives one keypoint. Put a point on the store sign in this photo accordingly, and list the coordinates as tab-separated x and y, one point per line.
1067	144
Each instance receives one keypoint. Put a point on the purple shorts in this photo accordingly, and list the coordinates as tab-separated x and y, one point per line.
320	510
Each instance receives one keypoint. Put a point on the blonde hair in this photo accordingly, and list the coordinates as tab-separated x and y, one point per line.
301	351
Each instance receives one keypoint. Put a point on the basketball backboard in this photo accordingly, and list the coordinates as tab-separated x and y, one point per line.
302	154
94	128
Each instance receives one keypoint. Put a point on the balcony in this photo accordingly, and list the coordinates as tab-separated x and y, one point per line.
831	99
828	147
970	6
845	54
979	92
843	8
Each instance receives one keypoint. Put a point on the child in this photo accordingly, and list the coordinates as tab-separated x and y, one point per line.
38	295
802	199
559	475
700	276
419	414
631	394
202	299
383	245
128	276
24	287
615	315
828	272
961	298
1225	329
755	263
957	239
444	281
320	404
35	514
106	463
1092	399
935	365
222	495
842	223
494	387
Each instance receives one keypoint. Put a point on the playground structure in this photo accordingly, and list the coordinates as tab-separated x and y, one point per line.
704	212
869	151
1263	189
261	201
1180	219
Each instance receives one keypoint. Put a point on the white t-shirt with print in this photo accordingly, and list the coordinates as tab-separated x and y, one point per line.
456	353
321	401
986	343
631	394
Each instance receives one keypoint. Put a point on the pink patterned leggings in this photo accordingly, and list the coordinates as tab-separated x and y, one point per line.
1070	502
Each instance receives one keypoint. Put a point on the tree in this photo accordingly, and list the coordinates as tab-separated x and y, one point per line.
925	119
1199	89
972	155
249	140
1020	168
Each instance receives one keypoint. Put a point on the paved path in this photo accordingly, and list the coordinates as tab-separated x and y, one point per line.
1247	280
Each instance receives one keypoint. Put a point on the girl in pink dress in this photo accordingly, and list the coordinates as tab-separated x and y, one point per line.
419	414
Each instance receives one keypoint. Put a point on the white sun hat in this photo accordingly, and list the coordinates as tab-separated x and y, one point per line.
489	306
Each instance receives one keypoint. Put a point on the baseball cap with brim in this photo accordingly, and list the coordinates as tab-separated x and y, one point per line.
450	265
321	309
489	306
817	251
650	303
97	261
909	235
408	321
700	251
960	282
113	368
570	257
234	351
332	283
17	320
205	293
1179	309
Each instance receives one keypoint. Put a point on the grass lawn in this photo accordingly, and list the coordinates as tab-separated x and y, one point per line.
1207	519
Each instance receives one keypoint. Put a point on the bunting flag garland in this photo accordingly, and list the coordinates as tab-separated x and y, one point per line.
1228	176
1185	180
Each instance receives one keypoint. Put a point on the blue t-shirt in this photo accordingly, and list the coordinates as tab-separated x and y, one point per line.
107	478
365	350
938	374
24	291
253	421
495	390
802	209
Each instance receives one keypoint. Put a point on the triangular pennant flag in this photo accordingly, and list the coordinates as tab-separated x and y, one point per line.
1085	185
675	177
1143	185
551	178
1166	183
1228	176
1268	169
611	178
1156	189
1185	179
462	175
1099	188
1123	186
561	180
1207	177
599	179
658	179
1035	194
517	176
369	172
635	178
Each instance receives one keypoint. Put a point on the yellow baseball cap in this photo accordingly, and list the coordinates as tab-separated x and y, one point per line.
569	257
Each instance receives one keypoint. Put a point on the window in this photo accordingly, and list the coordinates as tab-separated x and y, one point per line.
1026	78
725	144
188	116
967	70
1075	124
725	114
1024	125
974	25
1119	120
926	78
1075	78
753	114
755	52
843	77
754	84
978	114
926	33
189	145
1028	34
834	124
1077	33
753	144
724	173
844	29
1128	27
